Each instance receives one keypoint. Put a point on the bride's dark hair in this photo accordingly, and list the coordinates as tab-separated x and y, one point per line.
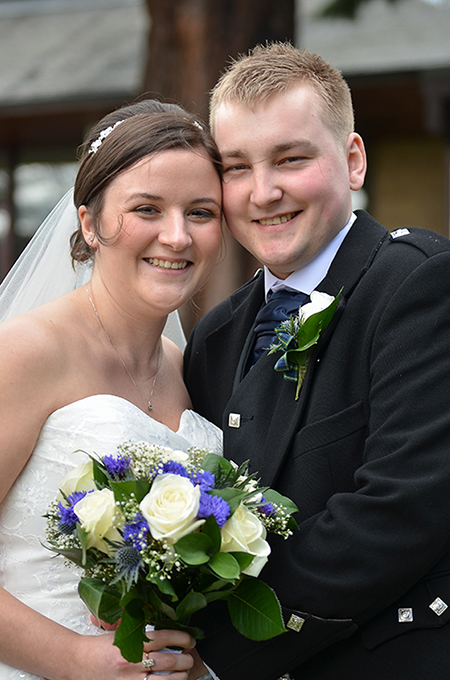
119	141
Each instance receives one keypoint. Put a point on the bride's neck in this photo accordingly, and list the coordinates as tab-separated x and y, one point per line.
136	340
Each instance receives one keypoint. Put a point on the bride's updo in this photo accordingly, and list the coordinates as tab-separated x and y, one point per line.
119	141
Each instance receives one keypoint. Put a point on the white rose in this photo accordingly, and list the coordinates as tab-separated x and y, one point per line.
171	507
99	517
167	454
79	478
319	302
179	456
245	533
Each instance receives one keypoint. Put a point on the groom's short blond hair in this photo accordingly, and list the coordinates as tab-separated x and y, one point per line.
277	67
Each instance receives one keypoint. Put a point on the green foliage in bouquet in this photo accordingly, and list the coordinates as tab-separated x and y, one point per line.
160	534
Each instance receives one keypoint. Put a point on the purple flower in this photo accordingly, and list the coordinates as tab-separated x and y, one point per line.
203	479
67	514
213	505
116	466
174	468
267	508
137	533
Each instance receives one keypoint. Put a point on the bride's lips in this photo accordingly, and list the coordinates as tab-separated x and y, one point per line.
277	219
167	264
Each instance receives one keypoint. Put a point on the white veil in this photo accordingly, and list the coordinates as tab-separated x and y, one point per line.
44	270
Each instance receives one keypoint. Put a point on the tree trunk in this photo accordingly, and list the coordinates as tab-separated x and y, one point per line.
190	43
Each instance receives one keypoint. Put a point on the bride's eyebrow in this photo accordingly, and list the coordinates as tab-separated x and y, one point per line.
205	199
143	194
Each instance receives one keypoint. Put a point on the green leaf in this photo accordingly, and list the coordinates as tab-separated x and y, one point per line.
232	496
153	599
190	604
211	529
100	477
130	634
75	555
217	465
163	585
255	611
194	548
274	497
101	599
243	559
225	566
123	489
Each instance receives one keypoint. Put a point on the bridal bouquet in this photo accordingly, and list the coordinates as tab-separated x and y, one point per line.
161	533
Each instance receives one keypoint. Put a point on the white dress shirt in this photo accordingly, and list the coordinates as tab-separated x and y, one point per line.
308	277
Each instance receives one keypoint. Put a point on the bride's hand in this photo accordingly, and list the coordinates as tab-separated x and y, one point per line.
198	670
99	659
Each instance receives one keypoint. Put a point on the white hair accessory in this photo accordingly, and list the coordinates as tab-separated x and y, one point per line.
102	136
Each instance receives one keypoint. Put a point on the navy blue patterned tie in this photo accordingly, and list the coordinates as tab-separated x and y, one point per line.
279	307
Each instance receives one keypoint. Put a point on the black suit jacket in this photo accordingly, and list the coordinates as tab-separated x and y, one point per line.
364	452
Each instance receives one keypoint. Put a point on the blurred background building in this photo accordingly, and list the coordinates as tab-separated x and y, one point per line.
65	63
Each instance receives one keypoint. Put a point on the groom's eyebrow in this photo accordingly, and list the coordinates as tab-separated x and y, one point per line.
298	145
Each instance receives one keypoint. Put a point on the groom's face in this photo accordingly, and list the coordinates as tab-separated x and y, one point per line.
287	177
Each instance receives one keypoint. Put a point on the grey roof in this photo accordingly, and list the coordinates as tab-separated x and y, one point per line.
408	35
66	50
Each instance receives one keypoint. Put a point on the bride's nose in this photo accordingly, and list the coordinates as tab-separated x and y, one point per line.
175	232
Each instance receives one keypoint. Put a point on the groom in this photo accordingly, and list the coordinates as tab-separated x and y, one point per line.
365	450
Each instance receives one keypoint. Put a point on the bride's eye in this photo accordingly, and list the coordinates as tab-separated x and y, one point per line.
147	210
201	214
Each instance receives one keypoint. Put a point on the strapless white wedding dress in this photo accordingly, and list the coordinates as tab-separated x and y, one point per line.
97	424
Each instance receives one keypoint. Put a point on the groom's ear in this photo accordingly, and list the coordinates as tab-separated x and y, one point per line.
87	226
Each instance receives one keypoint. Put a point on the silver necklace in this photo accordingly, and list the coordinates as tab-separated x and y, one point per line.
149	400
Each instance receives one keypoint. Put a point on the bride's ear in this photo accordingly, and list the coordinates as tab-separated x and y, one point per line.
87	226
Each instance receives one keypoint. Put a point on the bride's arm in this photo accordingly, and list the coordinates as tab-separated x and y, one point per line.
31	387
33	643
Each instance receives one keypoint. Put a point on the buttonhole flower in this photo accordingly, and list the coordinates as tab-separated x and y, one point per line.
297	336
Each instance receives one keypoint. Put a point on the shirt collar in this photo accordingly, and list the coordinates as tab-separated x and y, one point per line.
308	277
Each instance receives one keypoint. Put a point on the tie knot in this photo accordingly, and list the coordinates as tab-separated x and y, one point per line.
279	307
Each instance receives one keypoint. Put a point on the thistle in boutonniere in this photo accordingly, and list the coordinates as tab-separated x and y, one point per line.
297	336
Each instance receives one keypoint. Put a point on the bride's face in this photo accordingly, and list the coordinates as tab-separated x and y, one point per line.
163	216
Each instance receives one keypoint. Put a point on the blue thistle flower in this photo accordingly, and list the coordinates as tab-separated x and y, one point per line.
116	466
213	505
128	563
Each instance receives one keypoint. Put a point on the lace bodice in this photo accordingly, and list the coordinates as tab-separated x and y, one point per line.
95	424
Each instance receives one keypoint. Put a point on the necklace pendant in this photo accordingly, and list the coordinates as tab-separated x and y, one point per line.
149	406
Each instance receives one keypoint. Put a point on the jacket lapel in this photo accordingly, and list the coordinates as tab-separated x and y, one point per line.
351	262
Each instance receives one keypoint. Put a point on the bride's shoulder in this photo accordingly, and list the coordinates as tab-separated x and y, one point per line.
34	338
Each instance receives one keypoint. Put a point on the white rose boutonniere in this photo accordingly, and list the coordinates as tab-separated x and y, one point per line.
297	336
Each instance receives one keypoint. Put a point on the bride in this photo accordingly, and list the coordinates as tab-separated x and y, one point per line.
91	369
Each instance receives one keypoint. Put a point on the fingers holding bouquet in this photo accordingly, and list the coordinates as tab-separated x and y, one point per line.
168	652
